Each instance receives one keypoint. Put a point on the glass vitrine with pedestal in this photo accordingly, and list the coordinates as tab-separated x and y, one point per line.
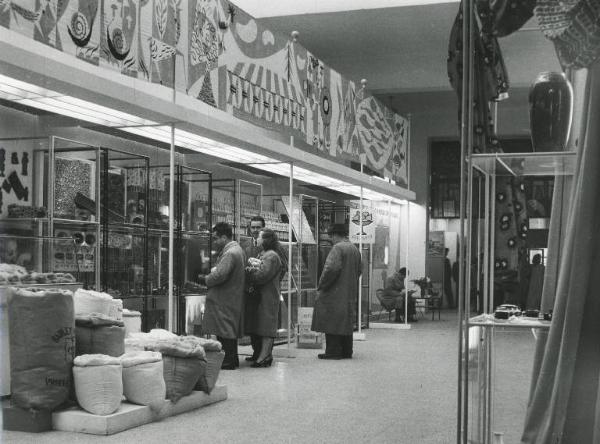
503	315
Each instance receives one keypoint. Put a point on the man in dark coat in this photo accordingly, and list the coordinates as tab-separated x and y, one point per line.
225	300
334	312
448	280
257	223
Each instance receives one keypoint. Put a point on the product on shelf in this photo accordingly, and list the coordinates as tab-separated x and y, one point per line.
98	383
143	380
11	274
22	211
42	346
505	311
192	287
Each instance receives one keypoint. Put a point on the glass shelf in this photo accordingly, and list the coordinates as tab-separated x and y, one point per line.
484	320
75	221
526	164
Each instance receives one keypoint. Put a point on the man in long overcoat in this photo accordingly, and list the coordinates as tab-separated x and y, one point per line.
334	312
225	299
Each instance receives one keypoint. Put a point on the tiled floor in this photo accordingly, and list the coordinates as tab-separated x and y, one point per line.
399	388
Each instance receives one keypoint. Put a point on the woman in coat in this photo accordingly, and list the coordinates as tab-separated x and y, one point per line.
262	313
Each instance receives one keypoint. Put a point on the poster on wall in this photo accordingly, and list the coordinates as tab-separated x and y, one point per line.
298	220
73	179
435	244
358	233
16	179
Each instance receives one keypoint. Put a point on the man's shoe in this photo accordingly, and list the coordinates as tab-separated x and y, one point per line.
346	356
326	356
228	367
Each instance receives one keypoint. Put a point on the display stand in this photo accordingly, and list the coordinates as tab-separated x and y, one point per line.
130	415
480	415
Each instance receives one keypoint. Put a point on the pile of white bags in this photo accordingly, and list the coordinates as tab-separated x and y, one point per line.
98	383
88	302
143	381
133	321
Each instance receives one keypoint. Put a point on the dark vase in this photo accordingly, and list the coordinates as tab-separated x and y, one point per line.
550	111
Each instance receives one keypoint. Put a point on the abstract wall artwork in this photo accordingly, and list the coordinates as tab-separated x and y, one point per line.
217	53
15	175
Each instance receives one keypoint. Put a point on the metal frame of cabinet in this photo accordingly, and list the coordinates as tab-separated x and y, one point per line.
477	375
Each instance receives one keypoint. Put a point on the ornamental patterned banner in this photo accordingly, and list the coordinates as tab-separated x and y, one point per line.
217	53
254	77
382	136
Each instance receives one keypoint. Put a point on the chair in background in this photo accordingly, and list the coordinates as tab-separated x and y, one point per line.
433	304
384	306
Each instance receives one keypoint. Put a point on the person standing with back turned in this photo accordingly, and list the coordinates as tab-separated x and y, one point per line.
334	312
225	299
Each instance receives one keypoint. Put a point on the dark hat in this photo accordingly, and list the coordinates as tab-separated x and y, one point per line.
341	229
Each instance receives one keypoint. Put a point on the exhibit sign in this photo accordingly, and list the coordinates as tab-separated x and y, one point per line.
356	232
306	337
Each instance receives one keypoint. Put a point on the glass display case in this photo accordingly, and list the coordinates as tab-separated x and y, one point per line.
49	212
499	339
192	240
125	200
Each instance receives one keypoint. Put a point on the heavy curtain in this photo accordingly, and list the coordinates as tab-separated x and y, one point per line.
565	397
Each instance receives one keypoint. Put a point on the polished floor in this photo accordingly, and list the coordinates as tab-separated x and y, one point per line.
400	387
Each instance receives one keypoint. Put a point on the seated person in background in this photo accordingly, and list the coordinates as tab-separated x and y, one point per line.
394	293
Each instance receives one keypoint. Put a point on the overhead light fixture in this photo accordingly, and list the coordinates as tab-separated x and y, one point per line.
42	98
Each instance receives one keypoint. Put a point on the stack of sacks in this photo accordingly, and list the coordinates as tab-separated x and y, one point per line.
214	359
143	381
88	302
98	383
183	364
42	345
138	341
99	334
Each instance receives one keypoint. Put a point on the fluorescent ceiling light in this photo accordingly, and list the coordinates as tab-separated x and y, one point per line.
61	104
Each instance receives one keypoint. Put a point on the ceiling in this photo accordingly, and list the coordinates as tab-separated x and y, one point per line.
402	49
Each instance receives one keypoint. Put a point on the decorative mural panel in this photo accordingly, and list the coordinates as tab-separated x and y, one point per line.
118	35
217	53
166	31
382	136
205	38
254	77
80	30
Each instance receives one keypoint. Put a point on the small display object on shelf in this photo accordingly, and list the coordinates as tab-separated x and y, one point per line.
506	311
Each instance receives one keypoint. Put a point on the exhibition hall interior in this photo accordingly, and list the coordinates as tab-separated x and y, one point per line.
265	221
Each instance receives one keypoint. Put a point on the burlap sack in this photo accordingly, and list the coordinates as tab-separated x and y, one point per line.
42	346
